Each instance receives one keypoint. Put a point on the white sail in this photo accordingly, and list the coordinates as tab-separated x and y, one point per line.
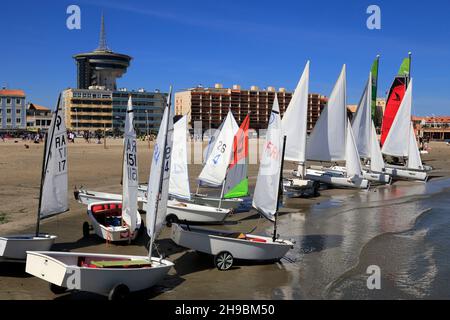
217	163
211	142
130	179
414	160
265	197
327	140
156	172
376	158
352	161
162	207
54	189
362	120
397	140
294	122
179	176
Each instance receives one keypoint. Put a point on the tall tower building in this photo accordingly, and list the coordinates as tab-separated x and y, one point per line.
102	66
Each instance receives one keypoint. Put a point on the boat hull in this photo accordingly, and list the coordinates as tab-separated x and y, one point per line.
112	233
376	177
337	179
62	269
213	242
14	248
196	213
201	199
404	174
204	200
183	211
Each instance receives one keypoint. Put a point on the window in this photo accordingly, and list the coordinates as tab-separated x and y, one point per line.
18	101
8	111
8	101
38	122
18	120
18	111
8	120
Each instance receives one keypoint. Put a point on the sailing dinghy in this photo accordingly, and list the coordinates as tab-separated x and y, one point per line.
332	140
294	126
401	142
119	220
52	195
110	274
179	206
218	155
227	245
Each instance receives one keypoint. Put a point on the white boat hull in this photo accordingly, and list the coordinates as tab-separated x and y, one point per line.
88	197
14	248
204	200
182	211
113	233
336	179
377	177
214	242
63	269
407	174
201	199
425	168
185	211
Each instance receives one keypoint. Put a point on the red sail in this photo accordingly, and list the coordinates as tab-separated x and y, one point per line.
240	144
394	100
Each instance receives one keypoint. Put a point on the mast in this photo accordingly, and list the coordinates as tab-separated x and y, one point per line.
42	186
162	174
409	71
280	190
44	165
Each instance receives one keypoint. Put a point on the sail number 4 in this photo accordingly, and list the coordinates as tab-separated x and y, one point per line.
221	148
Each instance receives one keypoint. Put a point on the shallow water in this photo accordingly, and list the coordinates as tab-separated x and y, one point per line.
403	229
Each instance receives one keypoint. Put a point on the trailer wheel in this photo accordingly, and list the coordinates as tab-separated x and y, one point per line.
223	260
57	289
119	292
171	218
86	229
316	186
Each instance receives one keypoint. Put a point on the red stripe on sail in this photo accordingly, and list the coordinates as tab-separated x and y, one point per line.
240	143
393	103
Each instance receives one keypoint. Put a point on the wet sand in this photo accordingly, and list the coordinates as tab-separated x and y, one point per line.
332	232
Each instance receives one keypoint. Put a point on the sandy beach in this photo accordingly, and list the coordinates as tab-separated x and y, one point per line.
330	230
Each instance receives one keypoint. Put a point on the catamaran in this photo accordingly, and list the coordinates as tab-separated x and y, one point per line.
113	220
332	140
401	142
366	140
294	126
52	194
110	274
226	245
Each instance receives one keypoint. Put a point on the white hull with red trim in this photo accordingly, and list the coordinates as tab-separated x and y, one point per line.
252	247
107	222
77	271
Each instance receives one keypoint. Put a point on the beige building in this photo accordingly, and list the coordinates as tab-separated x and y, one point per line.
210	105
87	110
38	117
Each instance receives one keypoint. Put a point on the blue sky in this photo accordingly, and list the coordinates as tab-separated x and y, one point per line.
261	43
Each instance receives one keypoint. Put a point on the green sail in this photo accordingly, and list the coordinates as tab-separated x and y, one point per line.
376	117
404	67
239	190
